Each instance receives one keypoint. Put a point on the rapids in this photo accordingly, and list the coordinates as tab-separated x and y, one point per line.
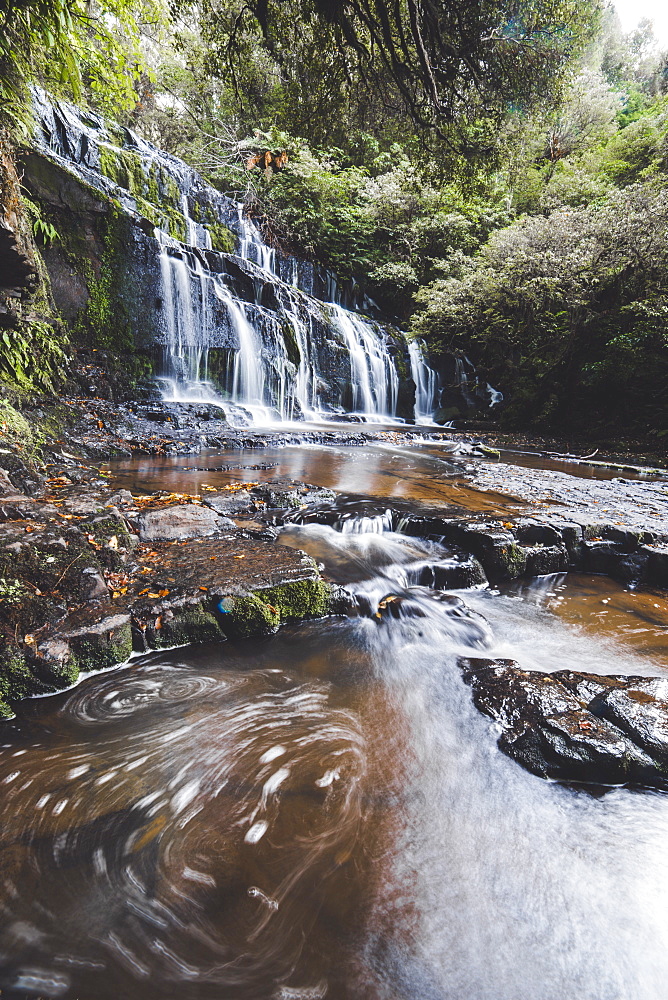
325	814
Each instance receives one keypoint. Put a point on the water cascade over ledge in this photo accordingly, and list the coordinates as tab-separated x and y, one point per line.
228	319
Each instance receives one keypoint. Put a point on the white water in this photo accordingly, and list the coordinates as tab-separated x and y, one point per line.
325	814
252	246
375	382
500	885
426	383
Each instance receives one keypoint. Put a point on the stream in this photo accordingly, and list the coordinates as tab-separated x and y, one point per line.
324	813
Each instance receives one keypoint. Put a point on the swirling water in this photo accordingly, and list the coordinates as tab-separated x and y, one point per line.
325	814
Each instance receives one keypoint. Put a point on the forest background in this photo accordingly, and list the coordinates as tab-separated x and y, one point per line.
494	174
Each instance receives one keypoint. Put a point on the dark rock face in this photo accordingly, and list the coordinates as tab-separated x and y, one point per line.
528	548
576	727
17	265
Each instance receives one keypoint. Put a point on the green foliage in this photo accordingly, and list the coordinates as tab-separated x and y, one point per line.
80	48
567	311
32	356
384	223
12	591
43	231
453	67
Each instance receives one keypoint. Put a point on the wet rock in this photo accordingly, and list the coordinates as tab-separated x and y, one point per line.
657	564
100	642
636	705
193	625
54	653
535	533
178	522
6	485
458	573
544	559
576	727
92	586
238	504
497	550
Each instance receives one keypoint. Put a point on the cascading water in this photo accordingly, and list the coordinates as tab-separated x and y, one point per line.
426	383
287	348
252	246
325	814
374	378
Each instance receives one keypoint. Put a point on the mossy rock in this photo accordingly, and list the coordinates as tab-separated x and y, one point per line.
512	560
291	344
251	616
59	676
100	647
222	238
262	612
299	599
112	535
17	679
192	626
6	711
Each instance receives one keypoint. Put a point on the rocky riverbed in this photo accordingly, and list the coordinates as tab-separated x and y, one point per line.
90	572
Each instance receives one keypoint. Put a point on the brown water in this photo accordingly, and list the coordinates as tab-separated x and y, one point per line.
325	814
374	471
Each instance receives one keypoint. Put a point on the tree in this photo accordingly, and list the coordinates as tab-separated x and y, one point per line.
80	45
451	66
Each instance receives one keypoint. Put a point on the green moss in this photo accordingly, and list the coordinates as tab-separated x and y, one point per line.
194	625
251	616
263	611
152	188
63	675
222	238
106	321
99	651
176	223
513	560
298	599
16	678
291	344
16	431
170	190
123	168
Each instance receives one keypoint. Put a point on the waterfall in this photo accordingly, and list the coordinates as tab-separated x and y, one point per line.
252	246
253	328
374	378
425	381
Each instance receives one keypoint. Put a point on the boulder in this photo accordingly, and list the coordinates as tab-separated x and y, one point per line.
576	727
178	523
